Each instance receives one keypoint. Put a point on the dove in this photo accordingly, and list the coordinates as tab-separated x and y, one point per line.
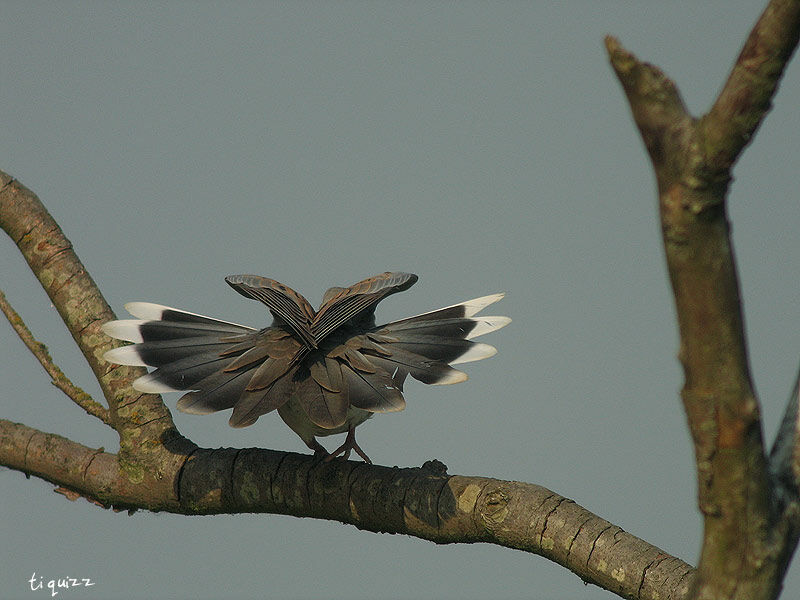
324	371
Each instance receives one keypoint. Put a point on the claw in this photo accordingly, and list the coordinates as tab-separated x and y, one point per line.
349	444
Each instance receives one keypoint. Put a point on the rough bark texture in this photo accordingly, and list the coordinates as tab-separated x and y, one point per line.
159	470
422	502
750	505
142	421
746	543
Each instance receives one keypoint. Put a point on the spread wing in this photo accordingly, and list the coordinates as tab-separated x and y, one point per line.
366	368
358	300
284	303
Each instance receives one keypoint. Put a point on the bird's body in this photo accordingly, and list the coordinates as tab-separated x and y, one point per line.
325	371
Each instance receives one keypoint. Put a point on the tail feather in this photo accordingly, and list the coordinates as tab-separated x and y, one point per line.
182	374
218	391
149	311
252	357
325	408
424	346
433	372
248	405
223	365
464	328
186	348
456	311
447	350
162	331
159	354
453	327
484	325
375	392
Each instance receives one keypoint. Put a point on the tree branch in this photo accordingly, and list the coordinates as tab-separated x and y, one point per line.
159	470
744	551
747	95
61	381
141	420
421	502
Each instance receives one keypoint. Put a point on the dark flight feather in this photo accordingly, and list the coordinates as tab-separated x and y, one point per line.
326	371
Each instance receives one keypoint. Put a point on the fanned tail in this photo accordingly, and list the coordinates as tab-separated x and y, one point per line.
424	346
326	371
216	361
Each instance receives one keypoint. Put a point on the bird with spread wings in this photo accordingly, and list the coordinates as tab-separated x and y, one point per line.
325	371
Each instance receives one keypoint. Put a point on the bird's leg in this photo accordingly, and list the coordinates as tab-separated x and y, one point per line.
349	444
319	449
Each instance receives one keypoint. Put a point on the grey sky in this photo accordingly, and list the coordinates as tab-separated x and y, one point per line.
484	146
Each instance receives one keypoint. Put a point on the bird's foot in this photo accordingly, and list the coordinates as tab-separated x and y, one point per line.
349	444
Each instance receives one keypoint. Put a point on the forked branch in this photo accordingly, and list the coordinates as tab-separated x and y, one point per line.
61	381
746	543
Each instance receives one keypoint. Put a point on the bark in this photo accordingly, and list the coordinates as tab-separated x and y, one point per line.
159	470
422	502
749	502
748	537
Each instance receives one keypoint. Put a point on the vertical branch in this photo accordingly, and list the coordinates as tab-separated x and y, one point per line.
742	557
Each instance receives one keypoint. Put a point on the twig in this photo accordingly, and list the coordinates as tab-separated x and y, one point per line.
58	379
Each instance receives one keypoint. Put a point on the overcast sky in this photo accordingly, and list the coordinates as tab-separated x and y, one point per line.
484	146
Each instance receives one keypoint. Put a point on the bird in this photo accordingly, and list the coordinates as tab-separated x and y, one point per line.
324	371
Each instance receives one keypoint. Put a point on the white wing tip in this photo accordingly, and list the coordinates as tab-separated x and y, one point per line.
125	355
127	330
454	376
146	310
149	311
189	405
486	325
150	385
474	306
479	351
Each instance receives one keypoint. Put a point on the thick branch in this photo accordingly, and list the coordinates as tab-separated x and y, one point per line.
421	502
744	553
169	473
57	376
140	419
